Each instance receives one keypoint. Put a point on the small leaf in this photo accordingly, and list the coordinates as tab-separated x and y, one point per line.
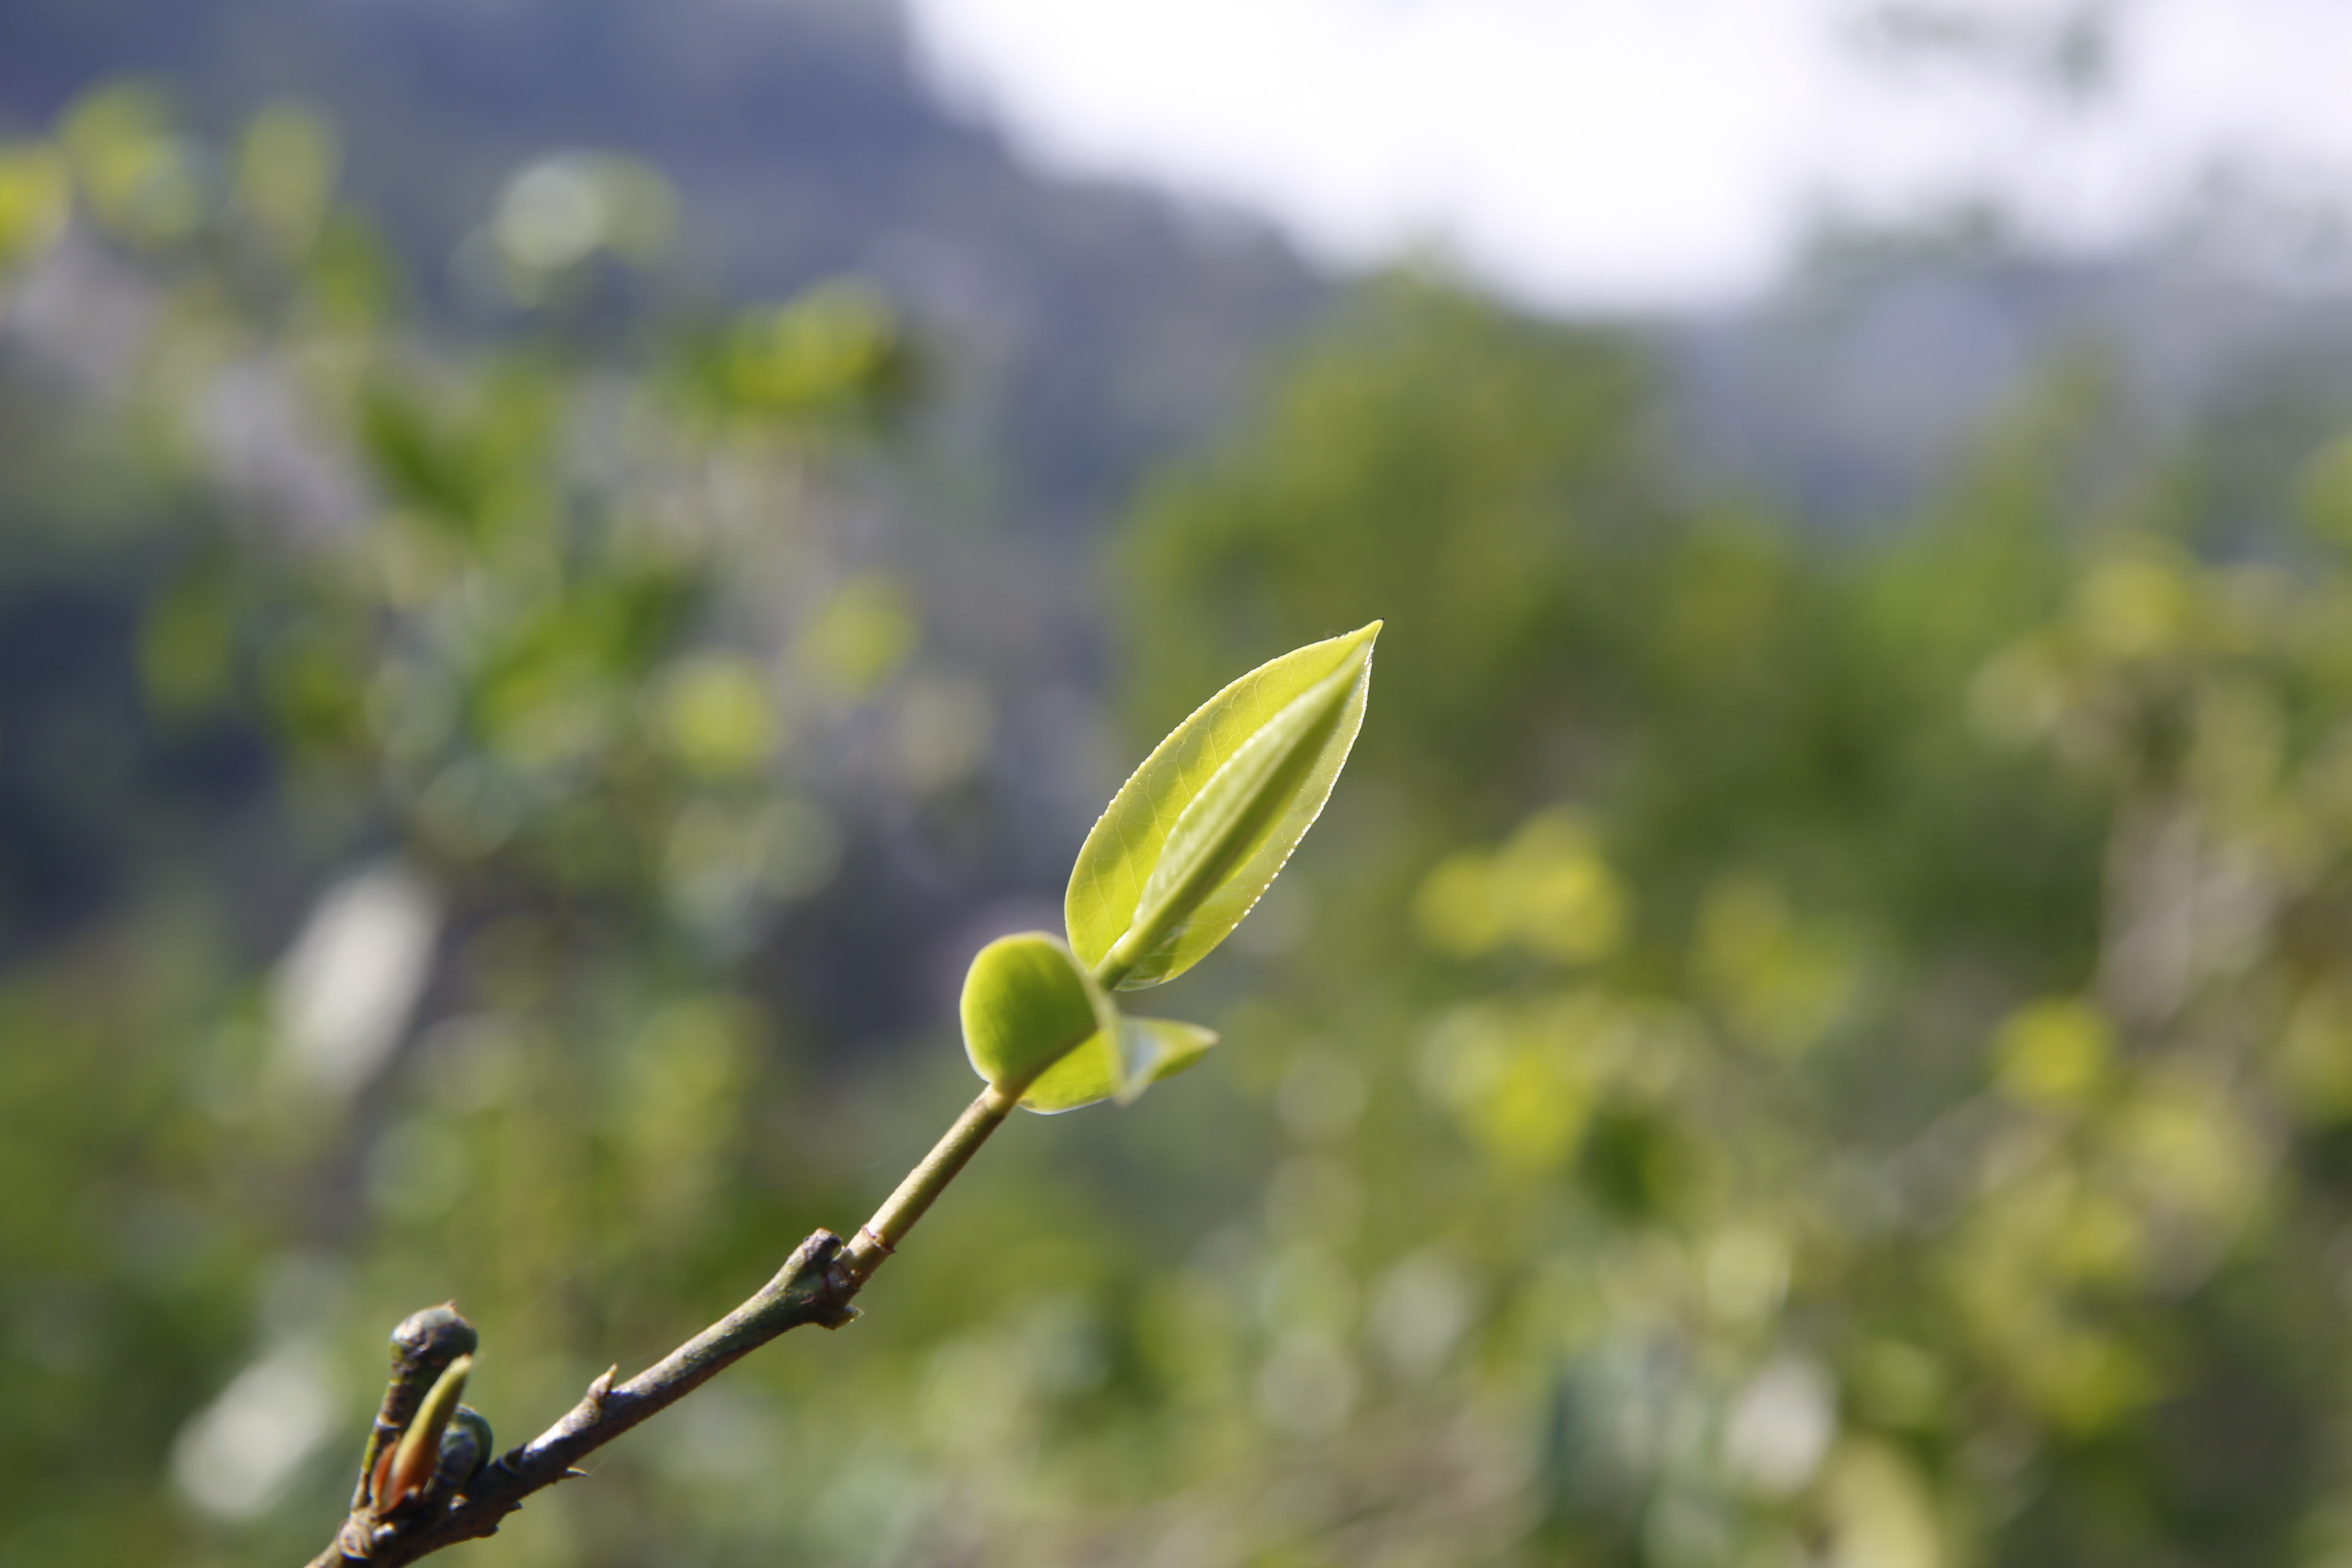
1154	1049
410	1465
1026	1005
1192	839
1036	1025
1159	1048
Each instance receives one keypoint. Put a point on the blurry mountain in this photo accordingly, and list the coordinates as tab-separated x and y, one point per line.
1081	329
1886	358
1084	331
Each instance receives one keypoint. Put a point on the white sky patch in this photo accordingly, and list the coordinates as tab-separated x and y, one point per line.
1638	152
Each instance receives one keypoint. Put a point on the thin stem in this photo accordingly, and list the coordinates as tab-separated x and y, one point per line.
1118	962
924	1183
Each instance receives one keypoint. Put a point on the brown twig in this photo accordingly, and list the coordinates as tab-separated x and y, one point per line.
814	1286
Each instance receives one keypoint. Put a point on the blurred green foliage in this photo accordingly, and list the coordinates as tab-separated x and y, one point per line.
1784	1051
1839	1037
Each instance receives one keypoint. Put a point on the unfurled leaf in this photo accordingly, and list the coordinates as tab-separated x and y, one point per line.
1151	1049
1195	836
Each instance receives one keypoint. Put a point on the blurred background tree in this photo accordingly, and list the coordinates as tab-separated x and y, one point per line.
1873	1041
1817	1030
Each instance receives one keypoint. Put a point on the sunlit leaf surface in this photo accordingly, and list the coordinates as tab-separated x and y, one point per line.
1196	834
1152	1049
1026	1005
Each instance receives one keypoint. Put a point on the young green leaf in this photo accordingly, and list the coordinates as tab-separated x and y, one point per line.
410	1463
1027	1004
1151	1049
1192	839
1037	1027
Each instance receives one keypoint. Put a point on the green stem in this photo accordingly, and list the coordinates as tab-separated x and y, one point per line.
881	1234
1118	962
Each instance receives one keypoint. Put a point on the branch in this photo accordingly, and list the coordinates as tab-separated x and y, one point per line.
1283	733
814	1286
